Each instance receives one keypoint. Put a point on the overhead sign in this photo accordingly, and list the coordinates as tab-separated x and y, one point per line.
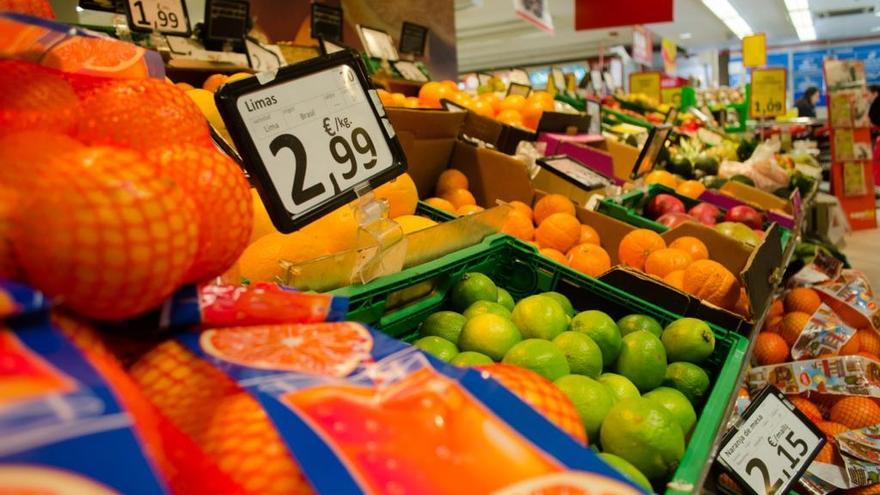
164	16
669	52
647	83
536	12
590	14
643	46
768	93
326	22
754	49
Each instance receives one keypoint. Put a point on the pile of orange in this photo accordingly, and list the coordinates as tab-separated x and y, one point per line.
451	194
689	188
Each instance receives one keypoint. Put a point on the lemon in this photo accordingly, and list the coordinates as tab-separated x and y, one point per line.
591	399
489	334
688	339
441	349
583	355
444	324
540	356
642	360
540	317
472	287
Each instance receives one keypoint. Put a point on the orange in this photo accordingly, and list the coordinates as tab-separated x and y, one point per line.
106	234
214	81
441	204
334	232
222	197
559	231
550	204
851	346
711	281
237	76
636	246
666	260
541	96
398	99
802	299
661	177
589	235
828	454
855	412
101	57
531	114
459	197
385	97
792	325
824	402
9	269
868	355
691	189
260	260
414	223
519	226
675	279
184	86
450	179
401	195
589	259
831	429
35	98
412	102
869	341
469	210
743	306
510	117
482	107
522	208
809	409
770	348
262	224
513	102
772	324
451	86
554	255
432	92
776	308
691	245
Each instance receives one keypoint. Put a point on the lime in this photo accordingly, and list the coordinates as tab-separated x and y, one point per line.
634	323
689	379
591	399
440	348
539	317
643	360
482	307
540	356
444	324
678	406
602	329
470	358
562	300
489	334
505	299
472	287
628	470
583	355
688	339
619	385
645	434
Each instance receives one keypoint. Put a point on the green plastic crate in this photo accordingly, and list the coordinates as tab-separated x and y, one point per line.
435	214
396	304
627	206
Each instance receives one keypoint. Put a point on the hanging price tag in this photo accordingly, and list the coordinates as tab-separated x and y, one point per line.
771	446
164	16
646	83
768	93
310	136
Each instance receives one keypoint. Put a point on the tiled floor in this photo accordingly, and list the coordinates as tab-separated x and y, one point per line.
862	248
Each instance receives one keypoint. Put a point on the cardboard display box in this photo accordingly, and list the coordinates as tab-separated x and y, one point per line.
605	156
786	212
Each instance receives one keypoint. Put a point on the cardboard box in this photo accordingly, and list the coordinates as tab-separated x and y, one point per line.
504	137
608	157
787	213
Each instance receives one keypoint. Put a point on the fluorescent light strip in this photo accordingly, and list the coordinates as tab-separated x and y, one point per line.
729	16
801	19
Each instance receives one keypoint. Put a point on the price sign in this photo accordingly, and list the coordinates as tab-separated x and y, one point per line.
164	16
574	171
647	83
648	155
310	136
754	49
771	447
413	38
768	93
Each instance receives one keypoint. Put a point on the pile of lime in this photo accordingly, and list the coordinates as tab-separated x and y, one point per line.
634	383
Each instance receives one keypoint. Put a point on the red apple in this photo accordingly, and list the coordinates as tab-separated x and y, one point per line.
705	213
745	214
662	204
673	219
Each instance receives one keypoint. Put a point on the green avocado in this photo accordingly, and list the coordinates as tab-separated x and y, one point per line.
744	179
680	165
707	164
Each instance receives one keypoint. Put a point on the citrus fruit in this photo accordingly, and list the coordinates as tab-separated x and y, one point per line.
440	348
664	261
776	309
678	406
468	210
102	57
444	324
636	246
688	339
482	307
518	225
642	360
675	279
619	385
214	81
414	223
802	299
35	98
505	299
691	189
441	204
470	358
482	107
510	117
691	245
513	102
855	412
851	346
689	379
489	334
772	324
711	281
262	224
559	231
869	341
204	99
591	399
542	395
531	114
627	469
554	255
661	177
809	409
636	322
540	356
770	348
602	329
412	102
459	197
792	325
645	434
569	483
472	287
539	316
334	349
522	208
583	355
589	235
562	300
589	259
401	195
237	76
450	179
27	478
550	204
432	92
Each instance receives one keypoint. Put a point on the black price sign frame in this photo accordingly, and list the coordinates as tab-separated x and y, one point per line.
321	25
656	139
114	6
130	5
558	164
413	39
518	89
285	221
210	24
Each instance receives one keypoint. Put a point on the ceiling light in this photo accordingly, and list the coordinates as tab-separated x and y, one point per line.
729	16
80	9
686	36
875	29
801	19
877	12
797	4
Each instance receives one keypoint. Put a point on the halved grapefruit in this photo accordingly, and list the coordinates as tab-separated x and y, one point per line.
98	57
569	483
39	480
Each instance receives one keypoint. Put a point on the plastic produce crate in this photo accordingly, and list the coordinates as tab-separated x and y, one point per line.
435	214
626	207
396	304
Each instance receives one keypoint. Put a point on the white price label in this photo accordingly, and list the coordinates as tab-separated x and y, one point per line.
773	445
164	16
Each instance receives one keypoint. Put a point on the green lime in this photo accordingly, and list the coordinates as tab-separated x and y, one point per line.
562	300
444	324
591	399
634	323
539	317
643	360
470	358
619	385
440	348
583	355
472	287
489	334
628	470
602	329
677	404
645	434
689	379
540	356
505	299
688	339
482	307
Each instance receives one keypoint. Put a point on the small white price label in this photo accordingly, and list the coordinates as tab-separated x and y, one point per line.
772	446
164	16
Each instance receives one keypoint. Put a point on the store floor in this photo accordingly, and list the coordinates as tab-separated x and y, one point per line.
863	251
